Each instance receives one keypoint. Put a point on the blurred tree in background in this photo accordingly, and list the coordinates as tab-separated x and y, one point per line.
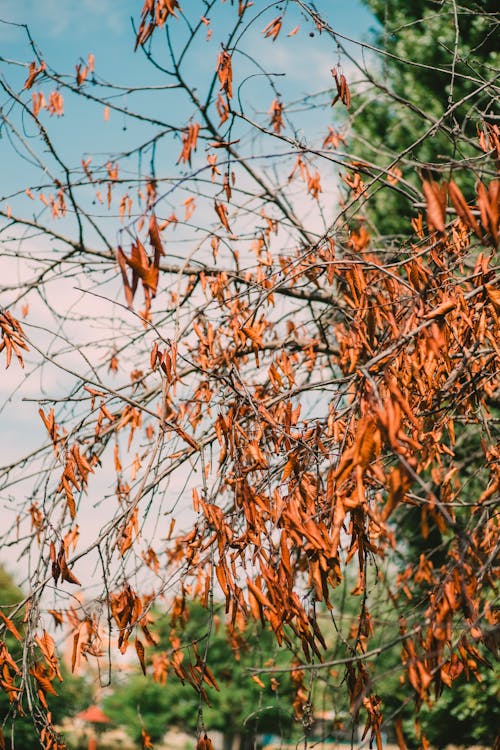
431	91
240	708
72	695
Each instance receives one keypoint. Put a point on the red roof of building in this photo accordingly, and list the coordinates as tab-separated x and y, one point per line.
94	715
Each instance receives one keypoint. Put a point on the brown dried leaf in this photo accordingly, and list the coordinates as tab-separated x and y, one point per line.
436	206
462	208
10	626
139	647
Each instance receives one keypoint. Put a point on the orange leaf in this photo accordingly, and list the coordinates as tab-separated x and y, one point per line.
39	672
204	743
57	615
258	681
34	72
273	28
46	645
221	211
441	310
398	730
189	440
225	73
493	296
462	208
139	647
10	626
436	205
66	574
129	294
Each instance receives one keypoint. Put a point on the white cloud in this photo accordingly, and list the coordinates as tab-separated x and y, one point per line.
55	18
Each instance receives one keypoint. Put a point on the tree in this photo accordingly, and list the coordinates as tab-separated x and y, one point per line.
450	48
437	74
10	595
286	388
75	692
239	707
471	714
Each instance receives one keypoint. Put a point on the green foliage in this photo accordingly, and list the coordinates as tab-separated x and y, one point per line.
73	694
24	734
468	714
423	76
240	707
9	593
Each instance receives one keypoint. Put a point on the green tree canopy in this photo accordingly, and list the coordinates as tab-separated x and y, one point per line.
438	78
72	695
435	84
240	707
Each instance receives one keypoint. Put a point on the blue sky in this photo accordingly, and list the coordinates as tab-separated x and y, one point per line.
62	25
66	31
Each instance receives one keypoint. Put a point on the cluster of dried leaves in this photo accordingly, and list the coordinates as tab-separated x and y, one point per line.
301	392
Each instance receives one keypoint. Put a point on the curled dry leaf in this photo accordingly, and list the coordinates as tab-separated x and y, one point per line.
435	198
